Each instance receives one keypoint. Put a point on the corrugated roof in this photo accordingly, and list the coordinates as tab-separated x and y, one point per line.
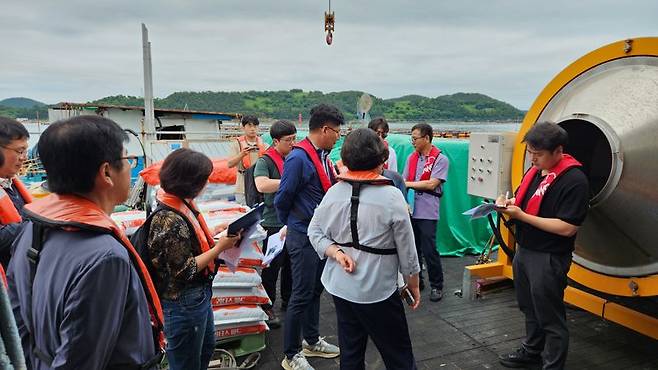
68	105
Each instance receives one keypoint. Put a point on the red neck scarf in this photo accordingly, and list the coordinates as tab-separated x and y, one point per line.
534	202
427	169
386	163
276	157
308	147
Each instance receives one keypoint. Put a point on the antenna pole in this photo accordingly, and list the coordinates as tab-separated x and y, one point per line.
149	110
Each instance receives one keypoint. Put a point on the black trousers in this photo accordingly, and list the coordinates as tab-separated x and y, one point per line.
271	274
539	280
384	322
425	236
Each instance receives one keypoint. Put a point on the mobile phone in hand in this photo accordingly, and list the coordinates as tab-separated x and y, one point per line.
405	293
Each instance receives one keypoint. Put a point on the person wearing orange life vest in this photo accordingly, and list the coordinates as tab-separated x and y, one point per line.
425	172
362	228
380	126
246	150
547	210
183	252
267	176
13	193
97	305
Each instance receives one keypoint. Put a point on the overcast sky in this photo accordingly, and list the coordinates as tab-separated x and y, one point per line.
79	50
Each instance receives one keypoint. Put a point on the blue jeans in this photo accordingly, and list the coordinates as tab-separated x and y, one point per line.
189	328
303	314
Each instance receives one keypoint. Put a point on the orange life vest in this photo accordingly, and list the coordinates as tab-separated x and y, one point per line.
8	212
4	276
71	213
242	142
194	217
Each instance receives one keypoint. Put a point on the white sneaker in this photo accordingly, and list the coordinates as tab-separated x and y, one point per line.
298	362
320	349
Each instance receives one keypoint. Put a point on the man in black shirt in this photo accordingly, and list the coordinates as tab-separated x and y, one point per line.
550	204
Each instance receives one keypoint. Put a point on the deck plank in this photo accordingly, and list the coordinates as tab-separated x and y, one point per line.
458	333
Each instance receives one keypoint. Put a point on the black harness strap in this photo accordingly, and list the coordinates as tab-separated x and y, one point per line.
354	213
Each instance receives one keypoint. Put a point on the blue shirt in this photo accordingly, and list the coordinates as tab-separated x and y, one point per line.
300	190
398	181
88	308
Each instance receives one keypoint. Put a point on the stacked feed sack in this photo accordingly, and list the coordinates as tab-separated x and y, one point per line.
236	299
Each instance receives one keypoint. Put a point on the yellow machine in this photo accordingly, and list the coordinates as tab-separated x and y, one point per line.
608	102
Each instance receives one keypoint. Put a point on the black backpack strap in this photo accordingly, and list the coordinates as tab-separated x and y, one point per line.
33	257
270	163
34	252
354	213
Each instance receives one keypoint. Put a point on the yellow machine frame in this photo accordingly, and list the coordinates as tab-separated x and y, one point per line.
628	287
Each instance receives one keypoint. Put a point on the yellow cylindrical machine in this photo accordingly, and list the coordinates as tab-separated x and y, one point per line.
608	103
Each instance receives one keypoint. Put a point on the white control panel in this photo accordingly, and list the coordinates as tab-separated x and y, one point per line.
490	163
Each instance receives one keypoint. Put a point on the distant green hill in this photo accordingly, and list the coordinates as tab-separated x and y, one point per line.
288	104
23	108
21	103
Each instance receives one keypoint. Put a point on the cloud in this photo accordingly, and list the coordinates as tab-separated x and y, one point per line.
81	50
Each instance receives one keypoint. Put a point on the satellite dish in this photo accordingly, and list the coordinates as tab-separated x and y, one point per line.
363	107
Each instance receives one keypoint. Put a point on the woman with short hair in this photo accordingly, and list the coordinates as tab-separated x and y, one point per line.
365	254
183	254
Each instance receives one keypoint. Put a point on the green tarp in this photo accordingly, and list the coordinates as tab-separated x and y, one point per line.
456	234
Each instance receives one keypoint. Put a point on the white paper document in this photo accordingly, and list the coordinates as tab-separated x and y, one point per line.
481	211
274	248
231	256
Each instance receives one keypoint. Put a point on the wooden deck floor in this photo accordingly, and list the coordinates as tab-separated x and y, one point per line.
457	333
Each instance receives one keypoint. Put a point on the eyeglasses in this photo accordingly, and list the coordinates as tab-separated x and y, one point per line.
21	152
132	160
413	138
334	130
382	134
288	139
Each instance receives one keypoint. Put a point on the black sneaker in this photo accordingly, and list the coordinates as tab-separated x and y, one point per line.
519	358
272	320
436	295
